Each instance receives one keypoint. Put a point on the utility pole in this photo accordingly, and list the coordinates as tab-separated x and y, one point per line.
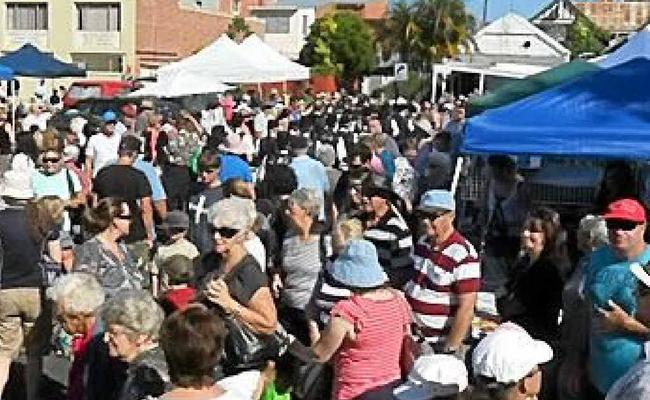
485	5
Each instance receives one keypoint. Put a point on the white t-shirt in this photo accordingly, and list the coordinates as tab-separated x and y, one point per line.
39	120
255	248
103	150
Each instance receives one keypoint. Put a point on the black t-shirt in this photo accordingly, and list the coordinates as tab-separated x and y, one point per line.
20	253
125	182
243	281
198	211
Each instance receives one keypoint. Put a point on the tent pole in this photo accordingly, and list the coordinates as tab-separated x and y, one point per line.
454	181
14	101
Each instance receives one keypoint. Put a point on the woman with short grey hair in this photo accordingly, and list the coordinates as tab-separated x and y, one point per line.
591	234
77	298
301	262
306	199
77	293
133	320
327	155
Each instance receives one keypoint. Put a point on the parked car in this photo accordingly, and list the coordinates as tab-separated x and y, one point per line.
98	89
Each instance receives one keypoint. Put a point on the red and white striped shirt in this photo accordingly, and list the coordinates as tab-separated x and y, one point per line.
442	274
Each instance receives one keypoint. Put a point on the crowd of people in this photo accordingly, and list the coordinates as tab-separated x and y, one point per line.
306	247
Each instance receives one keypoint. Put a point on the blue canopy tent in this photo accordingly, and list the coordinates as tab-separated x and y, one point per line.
30	61
605	114
636	46
6	73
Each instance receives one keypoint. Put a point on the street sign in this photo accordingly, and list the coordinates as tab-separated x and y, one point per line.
401	72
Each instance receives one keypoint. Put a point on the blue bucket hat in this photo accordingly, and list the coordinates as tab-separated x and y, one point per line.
437	199
358	266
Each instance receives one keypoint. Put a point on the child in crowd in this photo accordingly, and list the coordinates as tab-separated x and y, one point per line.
178	271
176	226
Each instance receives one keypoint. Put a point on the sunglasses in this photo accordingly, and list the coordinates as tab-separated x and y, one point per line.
618	224
52	160
124	216
208	169
432	216
533	229
227	233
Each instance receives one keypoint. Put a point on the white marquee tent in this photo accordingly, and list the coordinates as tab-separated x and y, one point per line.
182	83
223	59
226	61
267	55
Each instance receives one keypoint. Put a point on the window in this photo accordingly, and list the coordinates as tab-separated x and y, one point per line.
305	25
98	17
27	16
102	62
277	24
235	7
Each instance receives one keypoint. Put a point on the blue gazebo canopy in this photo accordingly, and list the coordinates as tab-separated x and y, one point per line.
604	114
636	46
6	73
30	61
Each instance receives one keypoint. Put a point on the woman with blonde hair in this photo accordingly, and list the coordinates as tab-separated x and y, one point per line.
45	217
329	291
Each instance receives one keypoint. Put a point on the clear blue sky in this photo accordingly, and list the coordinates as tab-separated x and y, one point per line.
497	8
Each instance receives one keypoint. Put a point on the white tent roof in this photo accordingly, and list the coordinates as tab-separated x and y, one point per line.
225	61
179	83
292	71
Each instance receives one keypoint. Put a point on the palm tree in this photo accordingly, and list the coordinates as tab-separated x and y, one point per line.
446	28
428	30
402	33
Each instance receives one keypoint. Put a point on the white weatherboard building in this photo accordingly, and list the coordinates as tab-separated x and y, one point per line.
510	47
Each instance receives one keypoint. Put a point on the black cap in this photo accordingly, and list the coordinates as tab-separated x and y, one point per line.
386	193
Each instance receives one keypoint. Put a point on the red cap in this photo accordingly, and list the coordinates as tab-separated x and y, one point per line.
626	209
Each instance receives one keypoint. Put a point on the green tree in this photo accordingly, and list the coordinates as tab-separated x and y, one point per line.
238	29
401	33
428	30
342	44
584	36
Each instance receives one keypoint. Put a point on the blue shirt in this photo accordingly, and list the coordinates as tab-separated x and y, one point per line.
233	167
311	174
609	278
147	168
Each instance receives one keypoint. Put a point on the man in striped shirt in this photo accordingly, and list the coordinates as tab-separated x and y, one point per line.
443	292
390	234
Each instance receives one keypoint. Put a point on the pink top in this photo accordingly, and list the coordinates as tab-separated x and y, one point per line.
373	359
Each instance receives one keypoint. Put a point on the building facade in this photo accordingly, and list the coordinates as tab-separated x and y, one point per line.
169	30
119	38
96	34
287	22
617	17
556	18
513	39
286	27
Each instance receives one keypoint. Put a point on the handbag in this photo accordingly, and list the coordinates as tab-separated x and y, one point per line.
50	269
245	349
